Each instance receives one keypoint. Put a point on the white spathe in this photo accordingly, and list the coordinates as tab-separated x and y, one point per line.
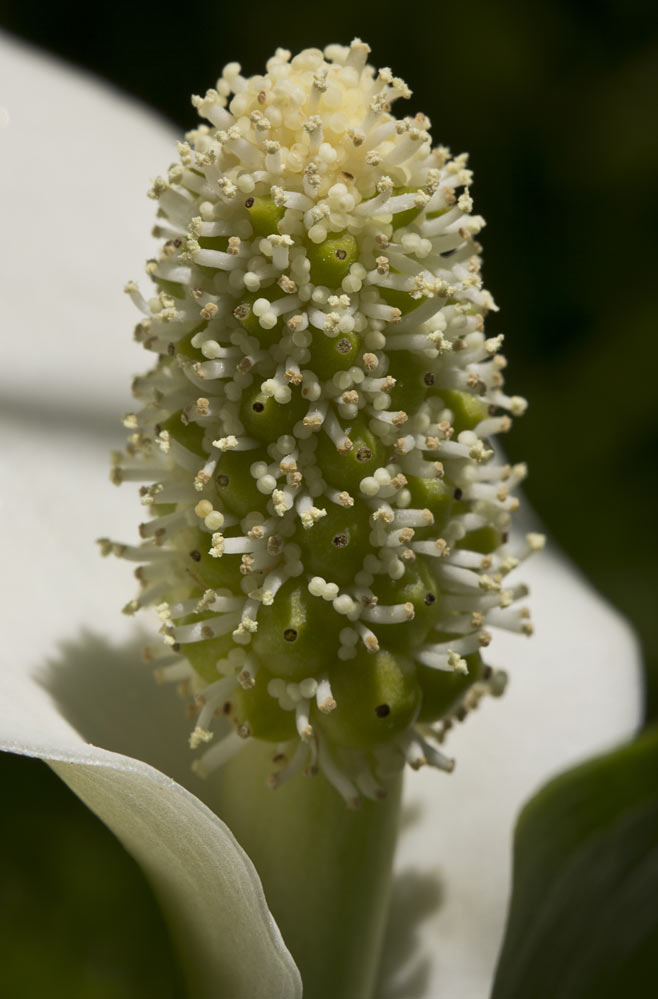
76	162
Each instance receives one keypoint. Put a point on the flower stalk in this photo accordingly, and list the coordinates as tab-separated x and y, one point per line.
325	869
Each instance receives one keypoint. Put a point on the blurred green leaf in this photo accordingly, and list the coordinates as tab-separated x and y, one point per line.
78	919
583	922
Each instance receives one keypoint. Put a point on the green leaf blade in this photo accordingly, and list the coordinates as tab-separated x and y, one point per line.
583	921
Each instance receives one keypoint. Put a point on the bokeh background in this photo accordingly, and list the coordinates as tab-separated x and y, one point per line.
556	102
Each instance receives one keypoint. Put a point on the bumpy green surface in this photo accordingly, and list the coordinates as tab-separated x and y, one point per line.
377	697
318	426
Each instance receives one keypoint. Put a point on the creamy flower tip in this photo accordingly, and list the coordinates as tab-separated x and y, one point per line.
327	543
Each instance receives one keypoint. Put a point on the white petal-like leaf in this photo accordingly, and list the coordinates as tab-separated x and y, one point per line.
75	149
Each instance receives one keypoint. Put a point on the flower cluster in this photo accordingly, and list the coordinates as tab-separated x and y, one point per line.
328	540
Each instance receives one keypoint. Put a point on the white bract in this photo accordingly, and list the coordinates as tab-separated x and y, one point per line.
72	690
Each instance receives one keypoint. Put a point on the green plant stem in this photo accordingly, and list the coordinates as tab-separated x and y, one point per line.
326	869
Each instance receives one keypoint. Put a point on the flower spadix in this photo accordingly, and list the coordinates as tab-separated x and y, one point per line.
327	540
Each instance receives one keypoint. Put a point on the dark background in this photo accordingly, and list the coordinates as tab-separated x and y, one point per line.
556	102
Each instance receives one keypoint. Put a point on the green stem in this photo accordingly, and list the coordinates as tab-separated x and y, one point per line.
326	869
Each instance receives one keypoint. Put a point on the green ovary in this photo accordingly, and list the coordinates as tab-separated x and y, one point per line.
331	260
266	419
234	485
418	588
336	545
331	354
189	435
401	300
468	410
208	572
264	215
248	319
442	691
184	345
204	656
485	540
412	378
296	635
434	495
213	243
261	712
377	697
346	470
172	288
